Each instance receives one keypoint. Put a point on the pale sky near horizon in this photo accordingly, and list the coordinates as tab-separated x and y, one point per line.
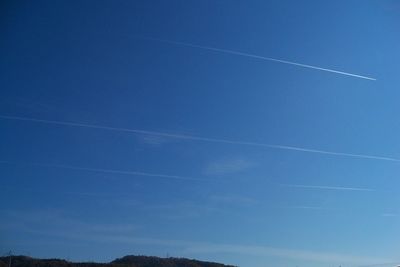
253	133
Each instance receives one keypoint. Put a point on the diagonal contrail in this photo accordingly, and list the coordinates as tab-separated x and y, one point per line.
322	187
109	171
198	138
232	52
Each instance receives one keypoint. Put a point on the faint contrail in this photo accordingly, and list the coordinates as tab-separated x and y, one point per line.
232	52
110	171
198	138
340	188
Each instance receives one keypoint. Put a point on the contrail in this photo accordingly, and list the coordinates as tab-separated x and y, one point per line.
232	52
109	171
198	138
340	188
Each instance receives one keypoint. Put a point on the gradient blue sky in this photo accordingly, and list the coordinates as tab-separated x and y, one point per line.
74	191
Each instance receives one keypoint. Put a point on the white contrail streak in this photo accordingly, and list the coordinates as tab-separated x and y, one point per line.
322	187
198	138
232	52
109	171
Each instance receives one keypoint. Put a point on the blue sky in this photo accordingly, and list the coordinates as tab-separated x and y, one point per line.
114	142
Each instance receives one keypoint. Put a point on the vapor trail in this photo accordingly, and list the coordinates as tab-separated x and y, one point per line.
340	188
203	139
232	52
109	171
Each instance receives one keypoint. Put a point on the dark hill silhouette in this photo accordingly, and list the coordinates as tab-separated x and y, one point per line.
127	261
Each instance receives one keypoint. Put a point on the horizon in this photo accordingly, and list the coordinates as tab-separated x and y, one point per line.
250	133
11	256
8	255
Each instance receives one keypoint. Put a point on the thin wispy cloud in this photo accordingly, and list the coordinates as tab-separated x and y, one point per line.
227	166
153	140
107	171
389	264
389	214
55	221
266	251
67	193
183	210
322	187
307	207
233	200
236	53
202	139
60	227
126	235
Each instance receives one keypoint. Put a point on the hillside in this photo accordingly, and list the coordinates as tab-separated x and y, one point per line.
127	261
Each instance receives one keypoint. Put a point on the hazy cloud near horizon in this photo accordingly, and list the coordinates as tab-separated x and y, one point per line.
64	227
